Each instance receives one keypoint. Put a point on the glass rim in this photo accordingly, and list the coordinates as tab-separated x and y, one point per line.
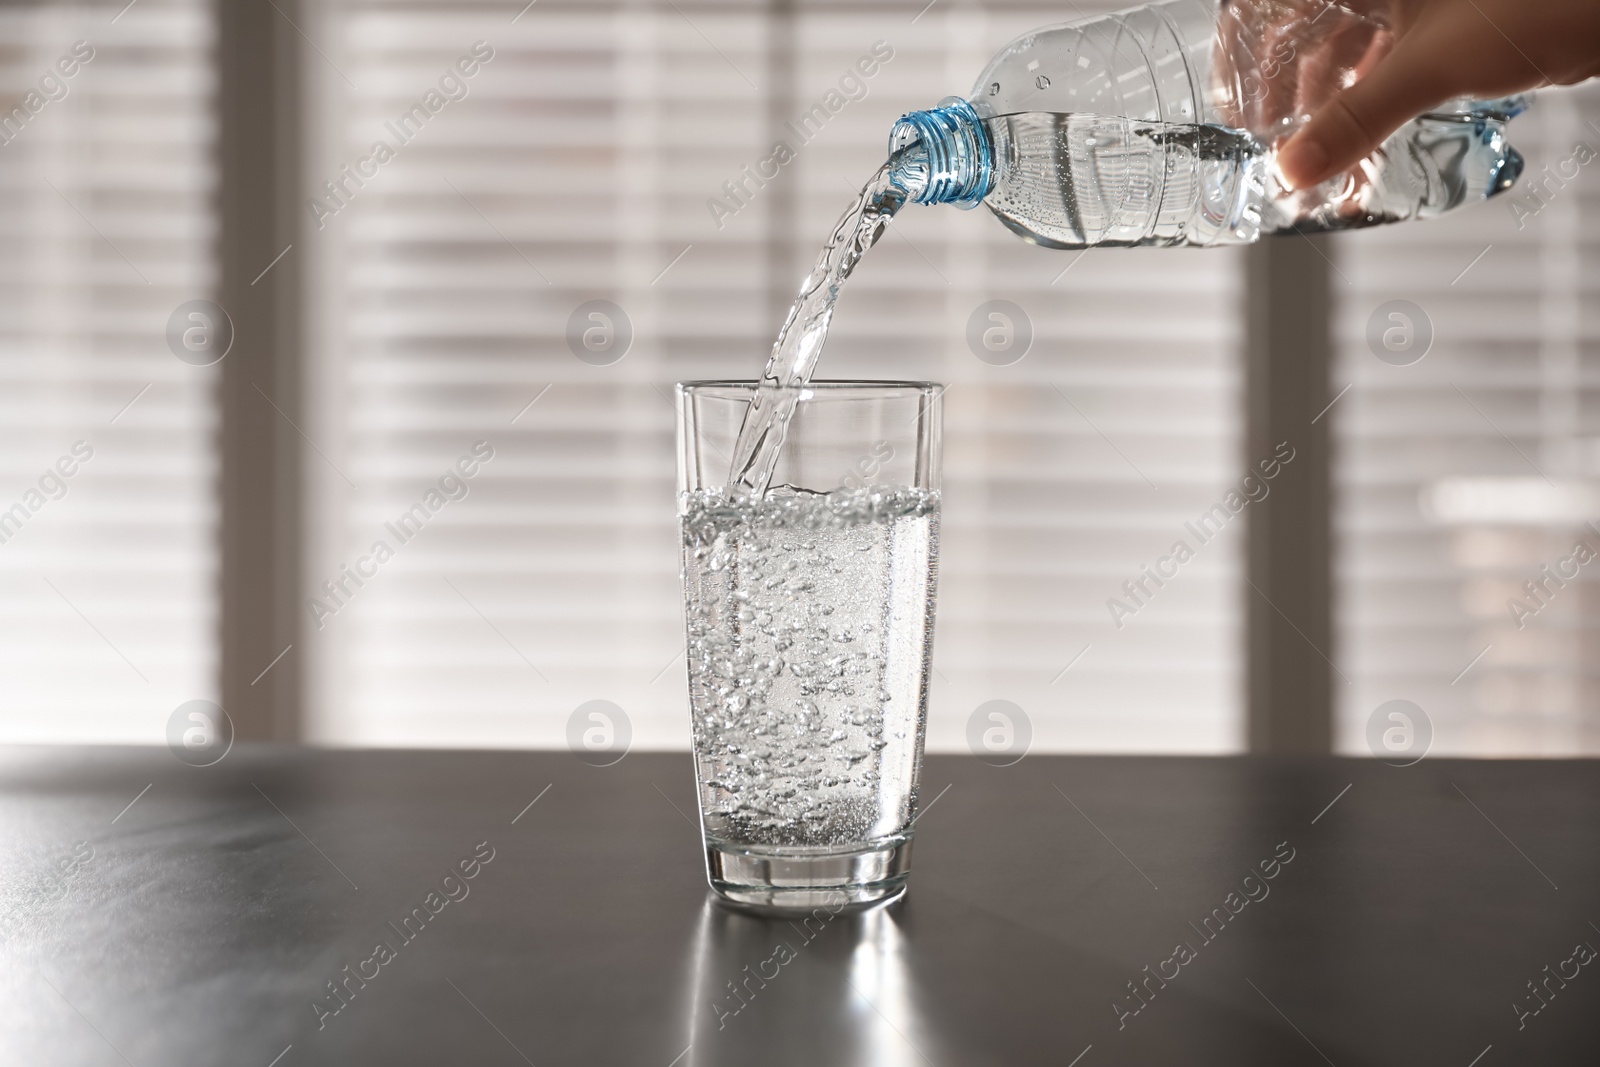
874	390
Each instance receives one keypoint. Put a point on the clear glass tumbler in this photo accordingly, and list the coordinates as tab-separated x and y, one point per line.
810	637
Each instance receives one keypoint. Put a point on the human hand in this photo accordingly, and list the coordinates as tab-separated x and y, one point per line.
1431	51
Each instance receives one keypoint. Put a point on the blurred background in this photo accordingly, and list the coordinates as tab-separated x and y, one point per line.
383	326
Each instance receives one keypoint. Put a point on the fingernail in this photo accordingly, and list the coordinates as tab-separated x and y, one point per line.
1302	157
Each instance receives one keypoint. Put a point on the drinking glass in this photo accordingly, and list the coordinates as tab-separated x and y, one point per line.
809	614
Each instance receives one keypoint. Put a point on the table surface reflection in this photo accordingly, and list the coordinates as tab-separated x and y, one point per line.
340	907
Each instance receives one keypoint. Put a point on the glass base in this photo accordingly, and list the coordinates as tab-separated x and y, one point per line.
792	878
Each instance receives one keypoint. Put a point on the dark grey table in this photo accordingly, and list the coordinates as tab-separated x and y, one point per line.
1439	914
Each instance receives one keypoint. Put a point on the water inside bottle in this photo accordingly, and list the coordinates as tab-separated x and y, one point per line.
1081	181
1431	165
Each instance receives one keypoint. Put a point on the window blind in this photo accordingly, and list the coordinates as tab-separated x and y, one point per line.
107	512
1463	476
585	162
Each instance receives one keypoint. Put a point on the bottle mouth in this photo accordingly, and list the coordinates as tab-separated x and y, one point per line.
942	155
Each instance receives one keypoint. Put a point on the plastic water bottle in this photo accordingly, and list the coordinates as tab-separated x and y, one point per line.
1158	126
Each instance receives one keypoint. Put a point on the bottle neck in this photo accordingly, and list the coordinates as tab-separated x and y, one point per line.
943	155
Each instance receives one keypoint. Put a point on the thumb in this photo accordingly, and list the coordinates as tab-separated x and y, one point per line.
1350	126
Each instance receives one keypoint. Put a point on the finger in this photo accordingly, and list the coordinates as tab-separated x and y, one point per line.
1355	122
